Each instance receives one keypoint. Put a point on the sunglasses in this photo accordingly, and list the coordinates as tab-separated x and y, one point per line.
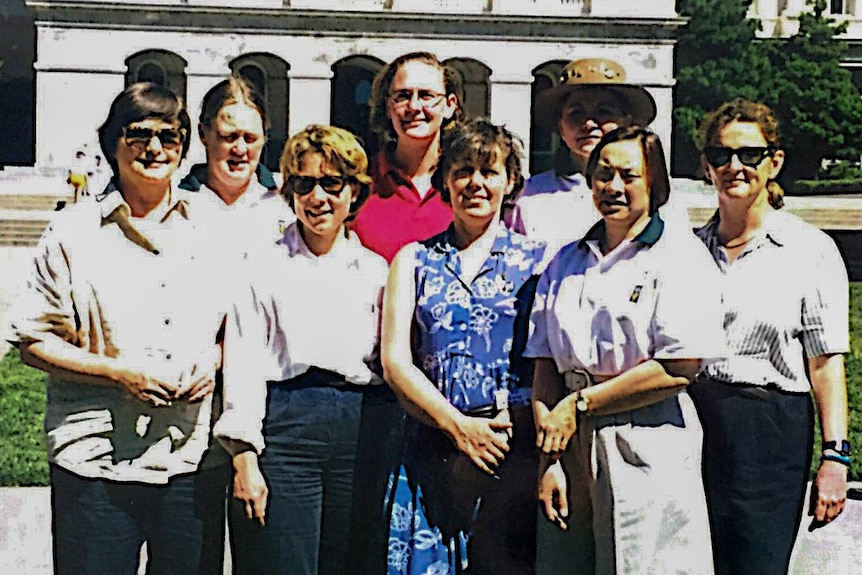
427	98
749	156
139	136
302	185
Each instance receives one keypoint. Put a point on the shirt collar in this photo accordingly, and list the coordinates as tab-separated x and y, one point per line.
770	228
344	247
197	178
445	243
647	236
111	200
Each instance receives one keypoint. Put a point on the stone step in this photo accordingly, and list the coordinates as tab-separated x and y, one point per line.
18	233
29	202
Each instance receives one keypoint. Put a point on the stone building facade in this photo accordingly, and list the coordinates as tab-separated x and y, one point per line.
314	59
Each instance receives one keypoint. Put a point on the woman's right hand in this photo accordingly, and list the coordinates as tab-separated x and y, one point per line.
147	389
249	485
553	494
484	441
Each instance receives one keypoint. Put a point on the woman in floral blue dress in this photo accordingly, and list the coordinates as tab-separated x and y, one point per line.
454	325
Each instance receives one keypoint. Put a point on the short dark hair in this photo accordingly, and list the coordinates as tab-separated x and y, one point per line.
479	140
233	90
379	121
141	101
655	166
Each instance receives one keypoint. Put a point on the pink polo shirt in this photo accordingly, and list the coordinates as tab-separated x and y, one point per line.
395	215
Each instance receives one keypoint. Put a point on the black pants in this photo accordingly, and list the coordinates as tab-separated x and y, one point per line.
757	456
311	432
99	526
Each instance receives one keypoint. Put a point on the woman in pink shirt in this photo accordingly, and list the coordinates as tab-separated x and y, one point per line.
413	100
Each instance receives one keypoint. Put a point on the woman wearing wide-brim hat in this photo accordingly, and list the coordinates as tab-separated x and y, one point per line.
592	99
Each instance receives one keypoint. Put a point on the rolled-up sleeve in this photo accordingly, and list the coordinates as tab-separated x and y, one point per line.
243	371
44	304
825	304
538	344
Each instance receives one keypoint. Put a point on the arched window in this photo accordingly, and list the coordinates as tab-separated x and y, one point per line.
351	91
544	142
152	72
474	79
159	67
268	73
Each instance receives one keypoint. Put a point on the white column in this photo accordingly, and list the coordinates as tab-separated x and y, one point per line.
510	105
310	95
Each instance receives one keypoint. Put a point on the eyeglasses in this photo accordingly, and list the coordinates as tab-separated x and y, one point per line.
140	136
426	98
302	185
750	156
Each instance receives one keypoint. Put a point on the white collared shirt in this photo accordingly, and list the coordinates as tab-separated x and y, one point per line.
653	297
130	288
299	311
556	209
255	221
786	297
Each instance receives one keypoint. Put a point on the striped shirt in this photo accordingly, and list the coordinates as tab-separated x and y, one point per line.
785	299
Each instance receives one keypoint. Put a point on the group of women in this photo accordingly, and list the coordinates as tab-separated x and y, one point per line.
648	386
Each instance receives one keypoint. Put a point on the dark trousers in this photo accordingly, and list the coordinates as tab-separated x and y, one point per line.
378	457
757	455
311	430
99	526
503	541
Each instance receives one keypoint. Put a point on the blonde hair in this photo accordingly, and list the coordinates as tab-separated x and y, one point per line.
339	149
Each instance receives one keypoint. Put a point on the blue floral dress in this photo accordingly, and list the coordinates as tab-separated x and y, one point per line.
467	339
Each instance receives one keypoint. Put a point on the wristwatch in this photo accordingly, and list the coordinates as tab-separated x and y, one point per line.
841	447
582	404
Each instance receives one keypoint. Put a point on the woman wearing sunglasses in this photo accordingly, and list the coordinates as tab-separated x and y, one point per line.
232	127
786	328
114	314
298	349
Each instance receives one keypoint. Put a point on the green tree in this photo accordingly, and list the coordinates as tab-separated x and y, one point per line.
719	56
819	107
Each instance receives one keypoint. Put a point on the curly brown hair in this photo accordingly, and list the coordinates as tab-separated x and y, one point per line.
340	150
379	121
479	141
739	110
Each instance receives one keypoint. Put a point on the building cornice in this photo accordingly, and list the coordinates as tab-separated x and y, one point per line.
381	24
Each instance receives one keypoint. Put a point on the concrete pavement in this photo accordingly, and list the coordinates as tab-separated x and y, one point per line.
25	538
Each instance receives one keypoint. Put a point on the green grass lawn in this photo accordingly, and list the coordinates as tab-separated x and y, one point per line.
22	406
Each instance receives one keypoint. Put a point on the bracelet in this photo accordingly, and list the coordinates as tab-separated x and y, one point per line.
837	458
842	446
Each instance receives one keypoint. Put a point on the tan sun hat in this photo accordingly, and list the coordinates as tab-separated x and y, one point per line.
594	72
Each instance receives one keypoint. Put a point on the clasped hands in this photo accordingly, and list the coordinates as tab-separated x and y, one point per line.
485	441
555	427
194	383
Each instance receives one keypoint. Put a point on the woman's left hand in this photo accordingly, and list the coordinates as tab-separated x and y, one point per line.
198	381
556	428
828	493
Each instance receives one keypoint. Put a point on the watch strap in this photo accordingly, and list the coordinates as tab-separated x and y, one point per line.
841	447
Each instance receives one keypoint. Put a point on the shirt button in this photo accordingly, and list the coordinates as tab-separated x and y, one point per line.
461	345
463	327
167	321
167	356
163	284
